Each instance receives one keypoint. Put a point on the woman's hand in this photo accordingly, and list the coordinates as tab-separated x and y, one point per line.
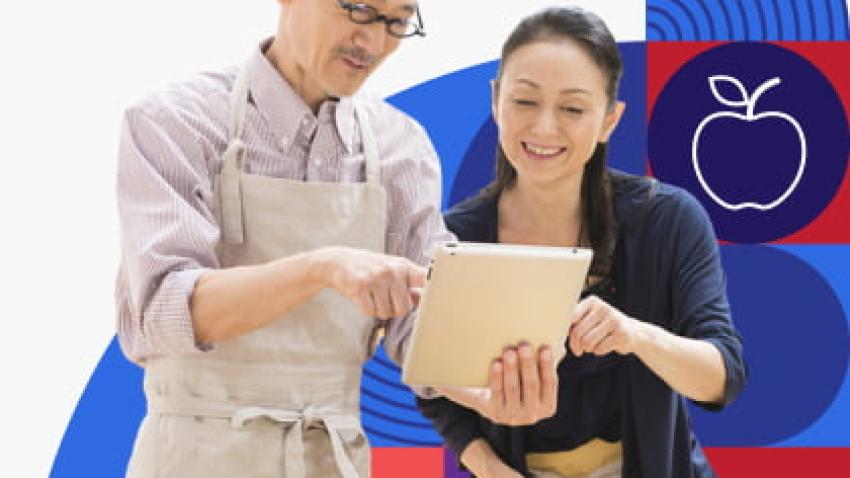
523	388
601	329
691	367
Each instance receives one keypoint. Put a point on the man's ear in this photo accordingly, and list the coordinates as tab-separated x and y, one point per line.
612	118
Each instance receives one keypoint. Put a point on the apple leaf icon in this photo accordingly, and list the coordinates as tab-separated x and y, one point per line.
717	80
749	102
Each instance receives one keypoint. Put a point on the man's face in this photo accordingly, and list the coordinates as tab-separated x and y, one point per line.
333	54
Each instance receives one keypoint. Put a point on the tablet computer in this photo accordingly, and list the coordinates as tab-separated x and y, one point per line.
481	298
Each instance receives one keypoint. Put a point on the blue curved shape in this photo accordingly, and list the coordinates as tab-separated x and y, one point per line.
832	262
655	33
827	17
656	12
477	168
796	345
406	413
727	20
706	15
845	20
738	24
768	25
803	20
818	19
100	435
381	359
789	14
839	20
393	384
683	16
468	93
408	423
751	19
779	20
720	17
762	24
381	439
392	402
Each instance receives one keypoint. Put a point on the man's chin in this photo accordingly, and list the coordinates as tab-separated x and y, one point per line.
349	89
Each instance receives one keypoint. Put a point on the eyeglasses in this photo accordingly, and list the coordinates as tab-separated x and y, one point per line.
364	14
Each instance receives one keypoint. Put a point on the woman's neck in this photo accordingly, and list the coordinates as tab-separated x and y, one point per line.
541	215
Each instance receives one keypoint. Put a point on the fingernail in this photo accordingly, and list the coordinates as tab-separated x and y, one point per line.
546	354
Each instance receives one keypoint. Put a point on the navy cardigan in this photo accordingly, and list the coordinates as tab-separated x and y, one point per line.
666	271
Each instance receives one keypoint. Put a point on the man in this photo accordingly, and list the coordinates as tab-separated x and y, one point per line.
271	225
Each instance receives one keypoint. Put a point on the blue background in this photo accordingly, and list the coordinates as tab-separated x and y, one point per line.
790	302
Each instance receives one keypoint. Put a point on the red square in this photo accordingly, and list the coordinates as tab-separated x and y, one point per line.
666	58
407	462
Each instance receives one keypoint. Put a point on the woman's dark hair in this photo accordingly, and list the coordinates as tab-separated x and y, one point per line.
590	33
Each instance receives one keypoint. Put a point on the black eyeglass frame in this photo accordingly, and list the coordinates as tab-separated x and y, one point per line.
351	7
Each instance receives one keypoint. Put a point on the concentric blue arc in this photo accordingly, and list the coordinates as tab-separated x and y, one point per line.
747	20
453	108
388	408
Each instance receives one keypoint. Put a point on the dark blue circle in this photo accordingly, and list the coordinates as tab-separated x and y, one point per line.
796	347
752	160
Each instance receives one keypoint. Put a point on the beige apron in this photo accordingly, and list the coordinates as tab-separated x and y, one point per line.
282	401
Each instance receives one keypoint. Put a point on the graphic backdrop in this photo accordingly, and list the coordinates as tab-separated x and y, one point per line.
767	159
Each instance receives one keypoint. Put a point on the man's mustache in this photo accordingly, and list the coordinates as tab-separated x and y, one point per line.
358	54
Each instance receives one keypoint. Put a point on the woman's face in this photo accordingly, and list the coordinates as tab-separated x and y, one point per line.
552	109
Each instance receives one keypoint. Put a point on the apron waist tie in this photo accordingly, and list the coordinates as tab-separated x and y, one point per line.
297	422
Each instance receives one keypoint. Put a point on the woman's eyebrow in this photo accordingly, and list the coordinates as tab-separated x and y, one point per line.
565	91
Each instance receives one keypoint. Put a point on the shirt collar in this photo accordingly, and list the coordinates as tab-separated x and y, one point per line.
286	112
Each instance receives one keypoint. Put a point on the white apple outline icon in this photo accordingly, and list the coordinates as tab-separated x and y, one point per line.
750	103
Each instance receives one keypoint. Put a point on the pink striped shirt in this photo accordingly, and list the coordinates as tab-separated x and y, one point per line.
170	149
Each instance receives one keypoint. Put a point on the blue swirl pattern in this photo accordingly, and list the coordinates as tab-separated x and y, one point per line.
747	20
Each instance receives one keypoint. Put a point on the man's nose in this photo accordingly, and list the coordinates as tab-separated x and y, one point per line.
372	38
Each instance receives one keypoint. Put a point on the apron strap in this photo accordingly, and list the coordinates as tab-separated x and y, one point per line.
370	144
234	159
296	421
294	441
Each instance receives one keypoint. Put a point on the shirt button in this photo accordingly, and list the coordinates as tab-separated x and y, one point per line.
284	143
317	162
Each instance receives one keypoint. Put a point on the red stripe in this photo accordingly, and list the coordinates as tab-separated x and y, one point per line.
407	462
780	462
727	462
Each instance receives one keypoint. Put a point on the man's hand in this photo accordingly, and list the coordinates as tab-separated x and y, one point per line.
381	286
523	388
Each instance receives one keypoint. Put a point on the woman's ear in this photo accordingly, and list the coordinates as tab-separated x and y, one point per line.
612	118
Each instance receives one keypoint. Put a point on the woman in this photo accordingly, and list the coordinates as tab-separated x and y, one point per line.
654	325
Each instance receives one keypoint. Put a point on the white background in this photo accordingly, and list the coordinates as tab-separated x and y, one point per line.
68	70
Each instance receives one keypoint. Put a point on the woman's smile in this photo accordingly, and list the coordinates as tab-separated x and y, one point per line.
541	152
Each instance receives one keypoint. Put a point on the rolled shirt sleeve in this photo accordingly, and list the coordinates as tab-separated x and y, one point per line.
700	305
168	232
416	224
169	151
